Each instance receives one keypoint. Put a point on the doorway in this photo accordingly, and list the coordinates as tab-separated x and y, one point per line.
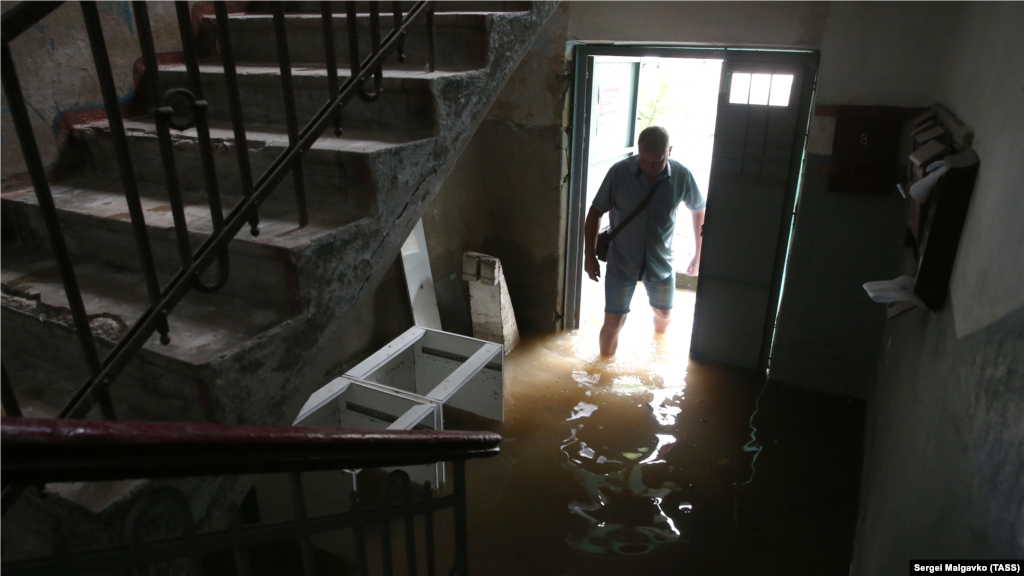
630	94
738	120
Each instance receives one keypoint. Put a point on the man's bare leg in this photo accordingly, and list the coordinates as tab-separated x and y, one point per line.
662	318
613	323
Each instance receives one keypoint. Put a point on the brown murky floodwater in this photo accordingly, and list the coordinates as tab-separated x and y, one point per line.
649	463
645	463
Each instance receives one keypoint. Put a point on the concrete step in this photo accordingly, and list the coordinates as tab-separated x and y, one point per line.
335	169
164	382
97	226
460	39
310	7
406	105
41	385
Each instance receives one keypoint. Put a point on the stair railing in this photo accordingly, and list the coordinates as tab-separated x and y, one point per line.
38	451
182	109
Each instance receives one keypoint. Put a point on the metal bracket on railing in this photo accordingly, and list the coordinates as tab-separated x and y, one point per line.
181	108
223	269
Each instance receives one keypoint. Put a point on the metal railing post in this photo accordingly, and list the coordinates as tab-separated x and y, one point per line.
431	49
198	107
327	16
152	83
291	118
10	400
299	508
30	151
227	54
461	524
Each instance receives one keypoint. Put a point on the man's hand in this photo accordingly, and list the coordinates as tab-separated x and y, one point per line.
692	269
592	267
698	240
590	228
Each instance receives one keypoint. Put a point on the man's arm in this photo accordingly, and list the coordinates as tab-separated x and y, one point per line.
590	230
698	225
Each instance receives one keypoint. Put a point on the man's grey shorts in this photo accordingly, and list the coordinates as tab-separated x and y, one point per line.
618	292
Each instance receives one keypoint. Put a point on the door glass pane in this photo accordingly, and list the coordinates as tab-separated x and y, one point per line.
760	86
781	86
740	89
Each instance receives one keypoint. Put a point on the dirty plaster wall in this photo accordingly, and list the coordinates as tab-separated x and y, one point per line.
828	331
888	54
507	194
984	86
58	78
944	466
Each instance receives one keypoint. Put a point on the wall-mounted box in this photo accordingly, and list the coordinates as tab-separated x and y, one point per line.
865	149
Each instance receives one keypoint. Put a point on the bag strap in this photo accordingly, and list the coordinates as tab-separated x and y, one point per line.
640	207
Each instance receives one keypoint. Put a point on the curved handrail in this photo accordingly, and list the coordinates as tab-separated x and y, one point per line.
55	450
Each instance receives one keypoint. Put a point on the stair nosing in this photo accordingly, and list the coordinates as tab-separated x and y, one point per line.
200	225
146	127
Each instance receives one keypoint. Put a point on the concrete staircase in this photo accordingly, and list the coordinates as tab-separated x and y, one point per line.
252	352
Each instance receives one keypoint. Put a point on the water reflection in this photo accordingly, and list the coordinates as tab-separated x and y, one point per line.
624	465
664	414
582	410
623	516
624	475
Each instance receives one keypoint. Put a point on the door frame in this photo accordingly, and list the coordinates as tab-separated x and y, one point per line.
579	158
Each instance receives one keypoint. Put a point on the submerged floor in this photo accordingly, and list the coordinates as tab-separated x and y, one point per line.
649	463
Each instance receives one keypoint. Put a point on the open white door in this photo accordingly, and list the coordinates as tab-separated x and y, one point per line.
763	107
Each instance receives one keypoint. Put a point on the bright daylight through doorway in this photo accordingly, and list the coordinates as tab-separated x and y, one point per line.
680	94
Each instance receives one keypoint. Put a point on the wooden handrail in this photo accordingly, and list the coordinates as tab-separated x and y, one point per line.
57	450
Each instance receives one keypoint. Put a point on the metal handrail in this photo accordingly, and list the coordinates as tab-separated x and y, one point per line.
194	263
41	450
163	299
50	450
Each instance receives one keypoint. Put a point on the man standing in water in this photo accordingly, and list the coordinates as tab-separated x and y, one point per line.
642	250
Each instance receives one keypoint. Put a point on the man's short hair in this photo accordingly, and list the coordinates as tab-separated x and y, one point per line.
653	139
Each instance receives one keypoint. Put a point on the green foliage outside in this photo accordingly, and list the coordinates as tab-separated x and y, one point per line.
656	102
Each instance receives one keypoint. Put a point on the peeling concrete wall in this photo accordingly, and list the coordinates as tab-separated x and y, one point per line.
506	195
58	78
